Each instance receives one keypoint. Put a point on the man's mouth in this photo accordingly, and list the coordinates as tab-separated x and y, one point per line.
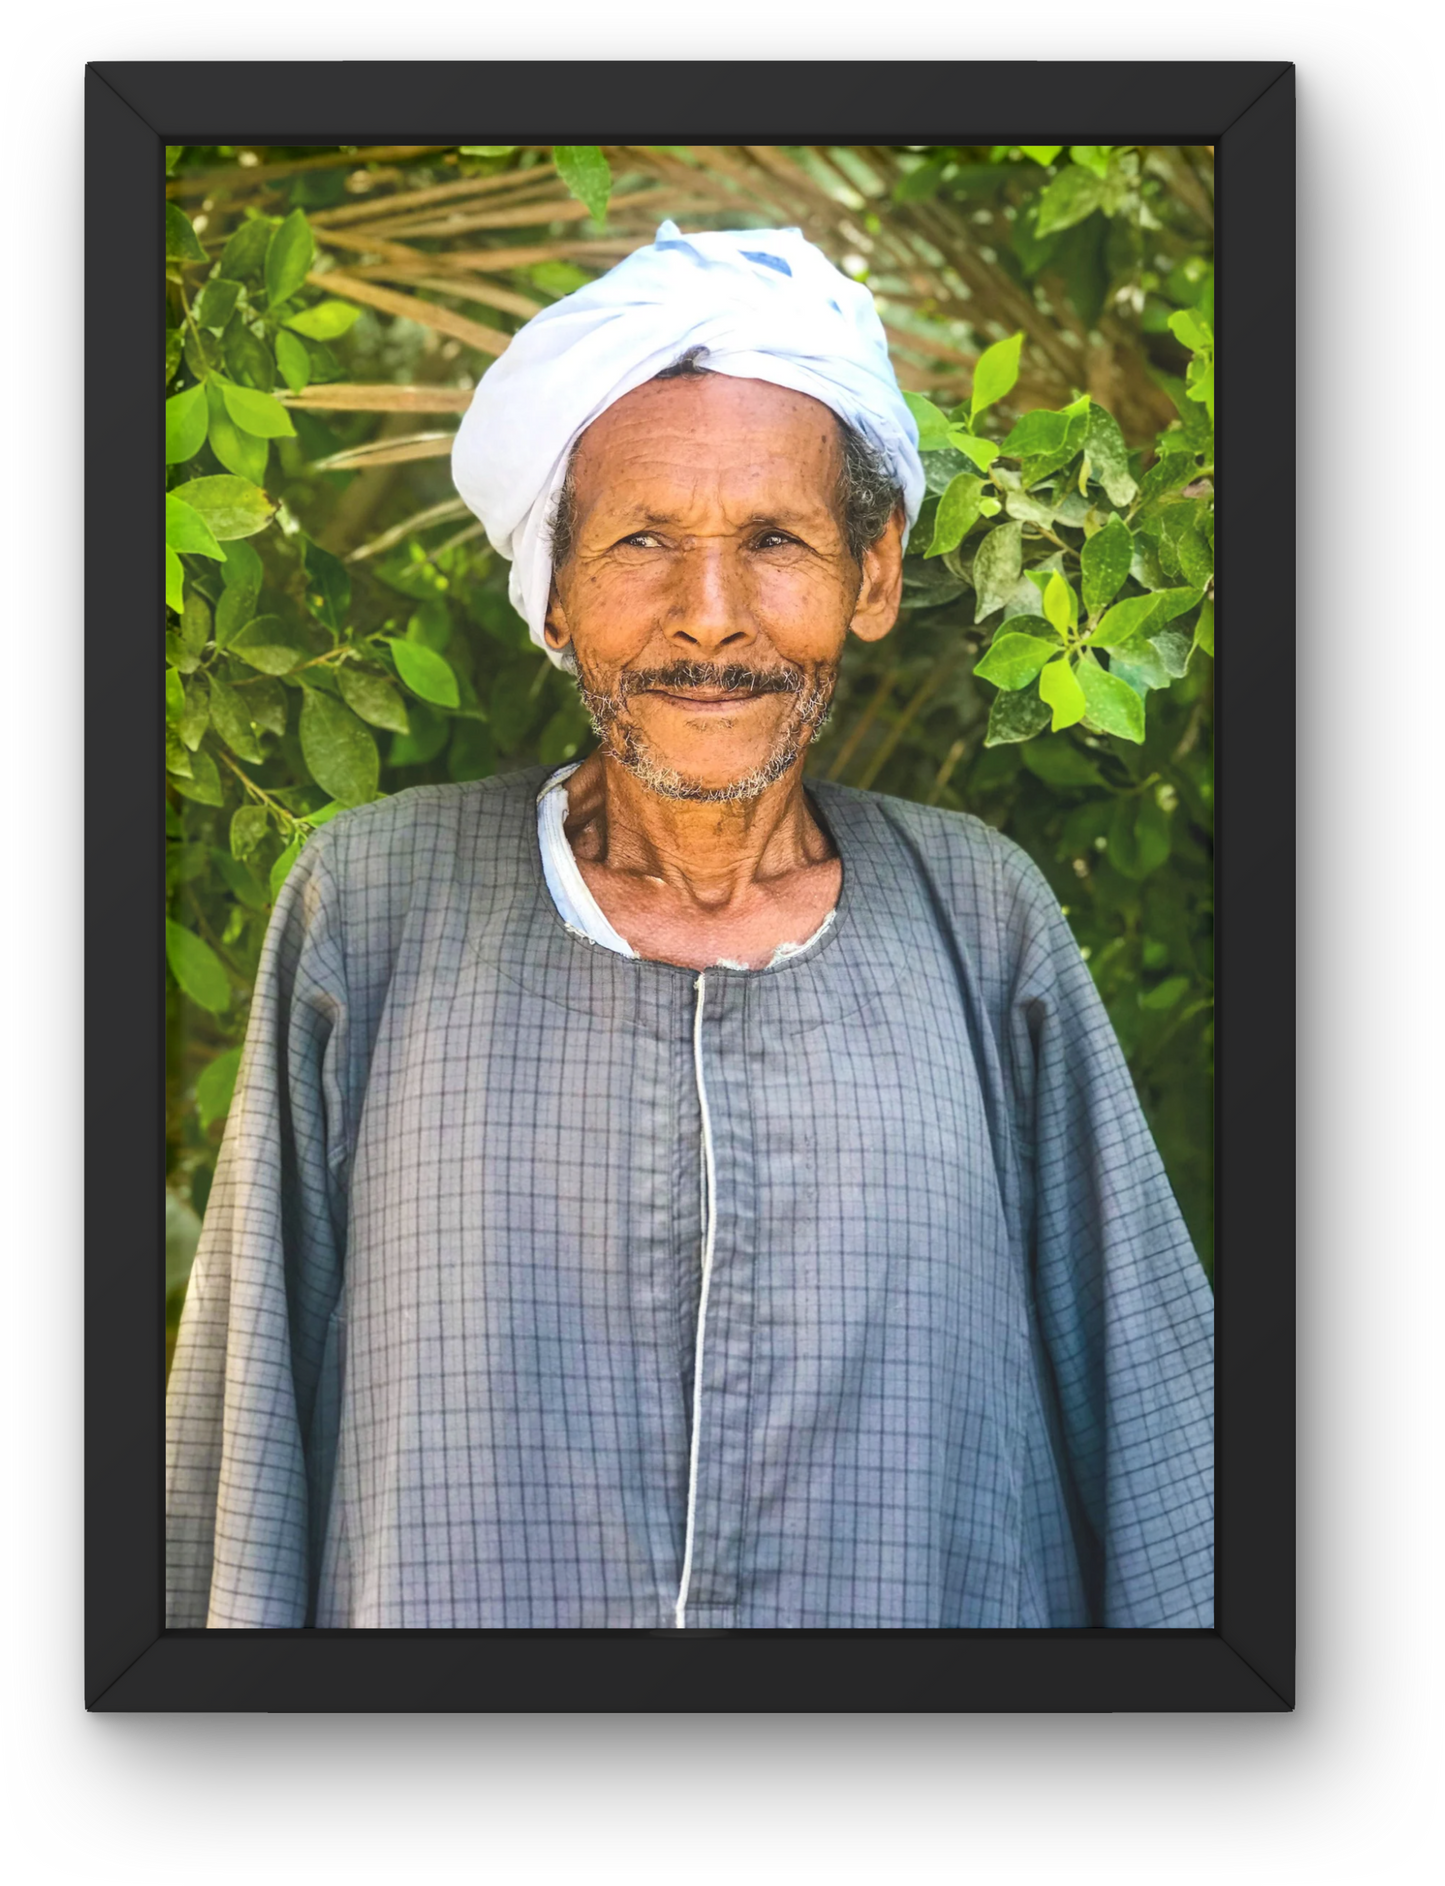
706	700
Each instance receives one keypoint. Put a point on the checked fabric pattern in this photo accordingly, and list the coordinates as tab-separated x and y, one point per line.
436	1363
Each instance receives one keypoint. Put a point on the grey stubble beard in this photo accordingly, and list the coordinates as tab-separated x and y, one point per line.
622	741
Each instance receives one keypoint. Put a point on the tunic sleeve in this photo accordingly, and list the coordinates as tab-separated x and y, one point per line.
1125	1312
242	1477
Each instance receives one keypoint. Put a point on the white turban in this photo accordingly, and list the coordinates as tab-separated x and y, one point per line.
765	304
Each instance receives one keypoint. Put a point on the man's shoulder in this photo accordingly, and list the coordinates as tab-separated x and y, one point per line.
417	833
941	839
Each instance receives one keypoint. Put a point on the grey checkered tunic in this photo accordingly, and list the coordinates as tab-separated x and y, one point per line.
441	1364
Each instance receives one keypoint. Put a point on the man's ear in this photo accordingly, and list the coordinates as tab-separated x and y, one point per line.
881	591
555	628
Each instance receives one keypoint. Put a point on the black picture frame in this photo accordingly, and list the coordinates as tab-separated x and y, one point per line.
1246	110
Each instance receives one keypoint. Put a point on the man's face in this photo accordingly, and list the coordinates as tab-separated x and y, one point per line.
710	587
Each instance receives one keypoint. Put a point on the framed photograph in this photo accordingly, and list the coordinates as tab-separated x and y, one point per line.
704	837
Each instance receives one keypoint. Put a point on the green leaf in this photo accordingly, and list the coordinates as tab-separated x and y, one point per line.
933	427
1015	716
185	424
249	826
982	451
204	784
173	152
1204	628
426	739
1172	603
187	528
587	174
558	278
1138	665
232	507
1111	704
244	257
1165	994
266	643
1126	619
328	585
1173	650
294	362
178	761
1104	564
1060	763
996	372
175	695
235	609
196	714
248	358
243	568
288	257
486	150
327	321
232	721
217	1087
957	513
431	625
197	968
1013	660
238	451
1074	194
1190	327
996	568
175	581
1196	559
266	703
175	347
340	754
426	673
1061	605
239	879
1061	690
374	698
196	623
1138	836
1041	153
217	302
182	243
1108	456
1093	157
282	867
257	413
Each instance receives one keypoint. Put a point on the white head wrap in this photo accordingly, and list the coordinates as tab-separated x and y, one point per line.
764	303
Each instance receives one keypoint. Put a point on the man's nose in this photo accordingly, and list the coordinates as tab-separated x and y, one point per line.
709	609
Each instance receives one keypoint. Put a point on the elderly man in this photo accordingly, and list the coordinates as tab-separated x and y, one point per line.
665	1194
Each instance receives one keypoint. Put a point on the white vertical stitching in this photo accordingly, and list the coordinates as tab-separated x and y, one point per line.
709	1232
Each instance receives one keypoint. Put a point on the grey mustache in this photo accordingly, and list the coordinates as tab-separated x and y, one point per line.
729	678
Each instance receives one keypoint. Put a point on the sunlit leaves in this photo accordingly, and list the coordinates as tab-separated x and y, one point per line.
995	373
266	643
327	321
197	968
182	243
1013	660
217	302
232	721
1016	716
217	1086
1058	686
185	424
983	452
426	673
374	698
231	507
244	257
294	362
1108	455
289	255
1111	704
1041	153
933	427
1104	564
175	580
340	754
1074	194
997	566
257	413
1061	605
249	826
1204	628
240	452
958	512
187	528
587	174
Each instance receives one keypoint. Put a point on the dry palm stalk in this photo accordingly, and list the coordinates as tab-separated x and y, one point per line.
378	206
604	252
489	340
564	209
200	182
441	513
388	452
348	397
464	287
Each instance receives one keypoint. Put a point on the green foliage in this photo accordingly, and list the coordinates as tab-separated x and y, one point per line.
1051	670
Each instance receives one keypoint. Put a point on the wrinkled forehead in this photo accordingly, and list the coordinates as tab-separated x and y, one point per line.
710	429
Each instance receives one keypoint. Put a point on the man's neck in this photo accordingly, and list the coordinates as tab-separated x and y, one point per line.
709	853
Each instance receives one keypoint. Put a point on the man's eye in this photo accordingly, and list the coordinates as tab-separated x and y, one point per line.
641	540
774	540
